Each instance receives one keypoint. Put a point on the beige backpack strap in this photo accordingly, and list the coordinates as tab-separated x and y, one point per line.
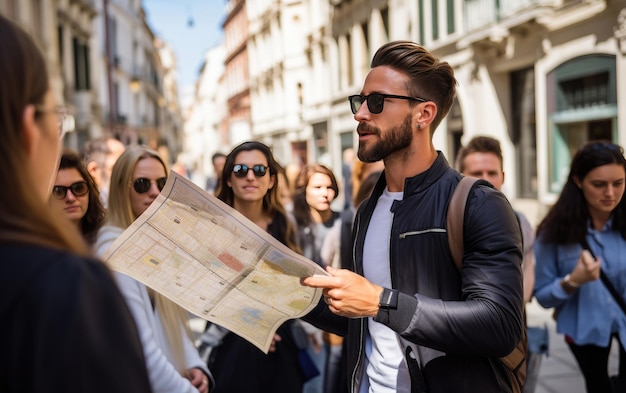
456	217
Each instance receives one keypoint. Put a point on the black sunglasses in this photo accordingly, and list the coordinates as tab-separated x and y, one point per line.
241	170
79	188
375	101
142	184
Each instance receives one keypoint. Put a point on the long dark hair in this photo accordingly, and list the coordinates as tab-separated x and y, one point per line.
95	214
24	216
567	220
272	204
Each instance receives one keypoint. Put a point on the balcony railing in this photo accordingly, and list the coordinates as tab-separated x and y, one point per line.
481	13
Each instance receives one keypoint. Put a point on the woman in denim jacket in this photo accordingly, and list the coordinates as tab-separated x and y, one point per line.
590	209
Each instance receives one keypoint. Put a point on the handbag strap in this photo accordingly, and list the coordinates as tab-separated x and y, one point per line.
605	280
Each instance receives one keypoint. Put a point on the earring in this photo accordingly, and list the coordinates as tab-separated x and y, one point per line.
419	127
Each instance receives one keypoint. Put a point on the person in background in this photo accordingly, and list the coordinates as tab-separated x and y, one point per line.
482	158
65	327
99	156
173	362
212	184
249	185
346	174
337	248
316	188
414	321
362	170
76	194
284	189
589	215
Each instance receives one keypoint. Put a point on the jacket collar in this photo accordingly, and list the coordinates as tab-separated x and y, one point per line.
421	181
412	185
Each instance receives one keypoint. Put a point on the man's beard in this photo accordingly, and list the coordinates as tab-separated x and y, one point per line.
395	139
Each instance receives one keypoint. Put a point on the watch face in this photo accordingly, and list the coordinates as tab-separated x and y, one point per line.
388	299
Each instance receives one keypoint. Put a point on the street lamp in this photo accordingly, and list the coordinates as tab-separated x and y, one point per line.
135	85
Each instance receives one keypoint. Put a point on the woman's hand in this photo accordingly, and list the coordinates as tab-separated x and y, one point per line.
275	340
198	379
587	269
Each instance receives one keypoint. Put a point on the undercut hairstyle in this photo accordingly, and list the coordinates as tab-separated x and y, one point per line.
429	77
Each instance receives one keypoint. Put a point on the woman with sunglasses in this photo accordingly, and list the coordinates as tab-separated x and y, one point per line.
589	215
249	184
65	326
75	194
172	360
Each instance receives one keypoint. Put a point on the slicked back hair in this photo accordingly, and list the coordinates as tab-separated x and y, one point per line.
429	77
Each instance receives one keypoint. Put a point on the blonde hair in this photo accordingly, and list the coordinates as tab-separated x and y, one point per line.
360	171
120	214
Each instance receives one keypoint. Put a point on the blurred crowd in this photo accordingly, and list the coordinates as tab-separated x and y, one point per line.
71	325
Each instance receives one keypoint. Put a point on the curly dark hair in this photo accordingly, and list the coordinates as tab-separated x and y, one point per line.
95	215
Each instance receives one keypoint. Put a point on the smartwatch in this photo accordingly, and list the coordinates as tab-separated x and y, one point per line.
388	299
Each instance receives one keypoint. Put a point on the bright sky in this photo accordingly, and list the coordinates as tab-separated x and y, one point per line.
190	27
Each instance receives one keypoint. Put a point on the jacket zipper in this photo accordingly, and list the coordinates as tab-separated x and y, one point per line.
435	230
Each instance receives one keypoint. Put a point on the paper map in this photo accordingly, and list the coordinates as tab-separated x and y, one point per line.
211	260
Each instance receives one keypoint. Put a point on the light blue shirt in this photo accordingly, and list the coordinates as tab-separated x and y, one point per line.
589	315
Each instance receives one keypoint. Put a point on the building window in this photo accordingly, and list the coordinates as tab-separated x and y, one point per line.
582	106
455	129
81	65
523	131
450	13
384	15
420	7
435	18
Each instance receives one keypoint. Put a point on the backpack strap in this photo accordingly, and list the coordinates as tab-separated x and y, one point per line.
456	218
515	361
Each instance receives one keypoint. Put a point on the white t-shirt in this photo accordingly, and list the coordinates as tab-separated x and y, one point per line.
386	370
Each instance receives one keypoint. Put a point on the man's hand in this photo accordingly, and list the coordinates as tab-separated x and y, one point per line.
347	293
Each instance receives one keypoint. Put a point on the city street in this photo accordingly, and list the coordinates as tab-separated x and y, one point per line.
559	371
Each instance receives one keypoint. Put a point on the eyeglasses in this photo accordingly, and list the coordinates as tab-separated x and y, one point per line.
61	113
375	101
241	170
142	184
79	188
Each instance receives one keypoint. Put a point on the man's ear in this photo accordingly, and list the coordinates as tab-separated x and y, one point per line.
29	128
425	114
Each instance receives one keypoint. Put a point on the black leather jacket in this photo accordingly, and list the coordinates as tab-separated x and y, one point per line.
455	325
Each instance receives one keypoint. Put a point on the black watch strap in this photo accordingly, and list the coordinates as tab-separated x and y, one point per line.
388	299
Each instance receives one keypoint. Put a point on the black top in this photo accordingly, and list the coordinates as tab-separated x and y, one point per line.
239	366
65	326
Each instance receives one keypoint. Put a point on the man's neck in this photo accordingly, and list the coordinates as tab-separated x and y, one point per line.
406	163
